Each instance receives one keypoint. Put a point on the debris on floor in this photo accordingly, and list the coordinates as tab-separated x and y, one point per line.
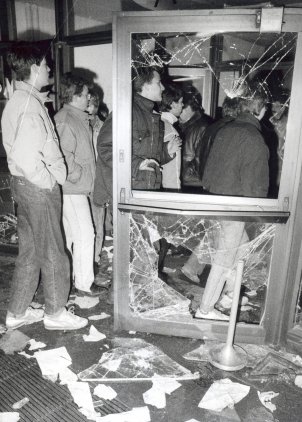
223	393
135	360
102	315
52	362
265	397
13	341
34	345
84	302
19	404
94	335
156	396
9	417
140	414
81	395
104	392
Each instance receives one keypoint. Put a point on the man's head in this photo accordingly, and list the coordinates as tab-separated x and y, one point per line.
254	100
147	83
172	100
74	91
191	104
93	103
29	64
230	107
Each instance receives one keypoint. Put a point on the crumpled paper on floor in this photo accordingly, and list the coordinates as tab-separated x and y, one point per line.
298	381
85	302
19	404
137	414
9	417
104	392
94	335
81	395
34	345
13	341
102	315
156	395
223	393
53	362
265	397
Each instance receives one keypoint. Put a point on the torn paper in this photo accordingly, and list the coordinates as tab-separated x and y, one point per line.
102	315
298	381
19	404
94	335
52	362
9	417
156	396
104	392
81	395
34	345
137	414
67	376
265	397
223	393
86	302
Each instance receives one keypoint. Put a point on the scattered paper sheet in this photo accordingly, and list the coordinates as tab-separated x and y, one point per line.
137	414
26	355
52	362
156	396
34	345
86	302
102	315
13	341
298	381
104	392
265	397
223	393
81	395
94	335
67	376
20	403
9	417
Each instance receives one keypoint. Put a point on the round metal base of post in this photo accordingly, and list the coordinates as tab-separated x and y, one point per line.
228	358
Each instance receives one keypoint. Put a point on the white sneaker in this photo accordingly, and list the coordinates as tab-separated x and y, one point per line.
31	315
226	301
64	321
214	314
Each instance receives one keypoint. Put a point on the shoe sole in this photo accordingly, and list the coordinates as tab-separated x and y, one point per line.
21	324
63	329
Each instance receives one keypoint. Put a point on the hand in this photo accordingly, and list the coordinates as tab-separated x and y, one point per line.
174	145
148	164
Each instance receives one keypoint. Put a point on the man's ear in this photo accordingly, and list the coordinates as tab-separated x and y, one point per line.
34	69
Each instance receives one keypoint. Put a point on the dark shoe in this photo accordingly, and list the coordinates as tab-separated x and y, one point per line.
94	291
96	268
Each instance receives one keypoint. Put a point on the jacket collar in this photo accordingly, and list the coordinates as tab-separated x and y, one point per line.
196	116
143	102
76	112
248	118
31	90
169	117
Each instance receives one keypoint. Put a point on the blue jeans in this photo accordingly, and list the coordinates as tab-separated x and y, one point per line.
41	248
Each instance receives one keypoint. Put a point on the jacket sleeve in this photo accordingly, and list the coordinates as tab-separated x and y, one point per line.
104	142
34	153
68	144
255	169
136	144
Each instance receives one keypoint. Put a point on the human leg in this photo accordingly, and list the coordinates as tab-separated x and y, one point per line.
230	237
98	214
193	267
76	212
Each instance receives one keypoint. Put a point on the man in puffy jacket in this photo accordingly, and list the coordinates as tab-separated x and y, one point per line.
37	168
72	124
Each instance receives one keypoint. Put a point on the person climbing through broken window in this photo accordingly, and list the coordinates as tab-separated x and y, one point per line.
237	166
149	152
193	268
37	168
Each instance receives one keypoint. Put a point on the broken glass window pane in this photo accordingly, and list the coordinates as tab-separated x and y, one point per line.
164	290
216	66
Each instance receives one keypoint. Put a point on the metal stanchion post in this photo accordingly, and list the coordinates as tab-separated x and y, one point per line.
230	357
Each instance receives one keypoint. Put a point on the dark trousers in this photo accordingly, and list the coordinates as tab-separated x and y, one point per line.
41	248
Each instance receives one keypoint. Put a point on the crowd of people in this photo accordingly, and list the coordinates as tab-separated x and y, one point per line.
62	177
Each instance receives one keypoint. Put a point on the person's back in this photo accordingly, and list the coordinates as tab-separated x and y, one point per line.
238	161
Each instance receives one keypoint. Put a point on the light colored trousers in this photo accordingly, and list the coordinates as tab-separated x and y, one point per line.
232	235
79	234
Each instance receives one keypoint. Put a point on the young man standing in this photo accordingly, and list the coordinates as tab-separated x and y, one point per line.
37	167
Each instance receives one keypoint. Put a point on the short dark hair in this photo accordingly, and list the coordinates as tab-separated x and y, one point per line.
230	107
21	57
94	99
172	93
193	99
142	75
253	98
71	85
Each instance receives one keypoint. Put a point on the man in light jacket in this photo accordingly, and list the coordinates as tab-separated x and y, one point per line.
72	124
37	167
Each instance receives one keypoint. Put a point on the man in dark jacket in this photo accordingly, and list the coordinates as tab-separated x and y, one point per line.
148	149
192	124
